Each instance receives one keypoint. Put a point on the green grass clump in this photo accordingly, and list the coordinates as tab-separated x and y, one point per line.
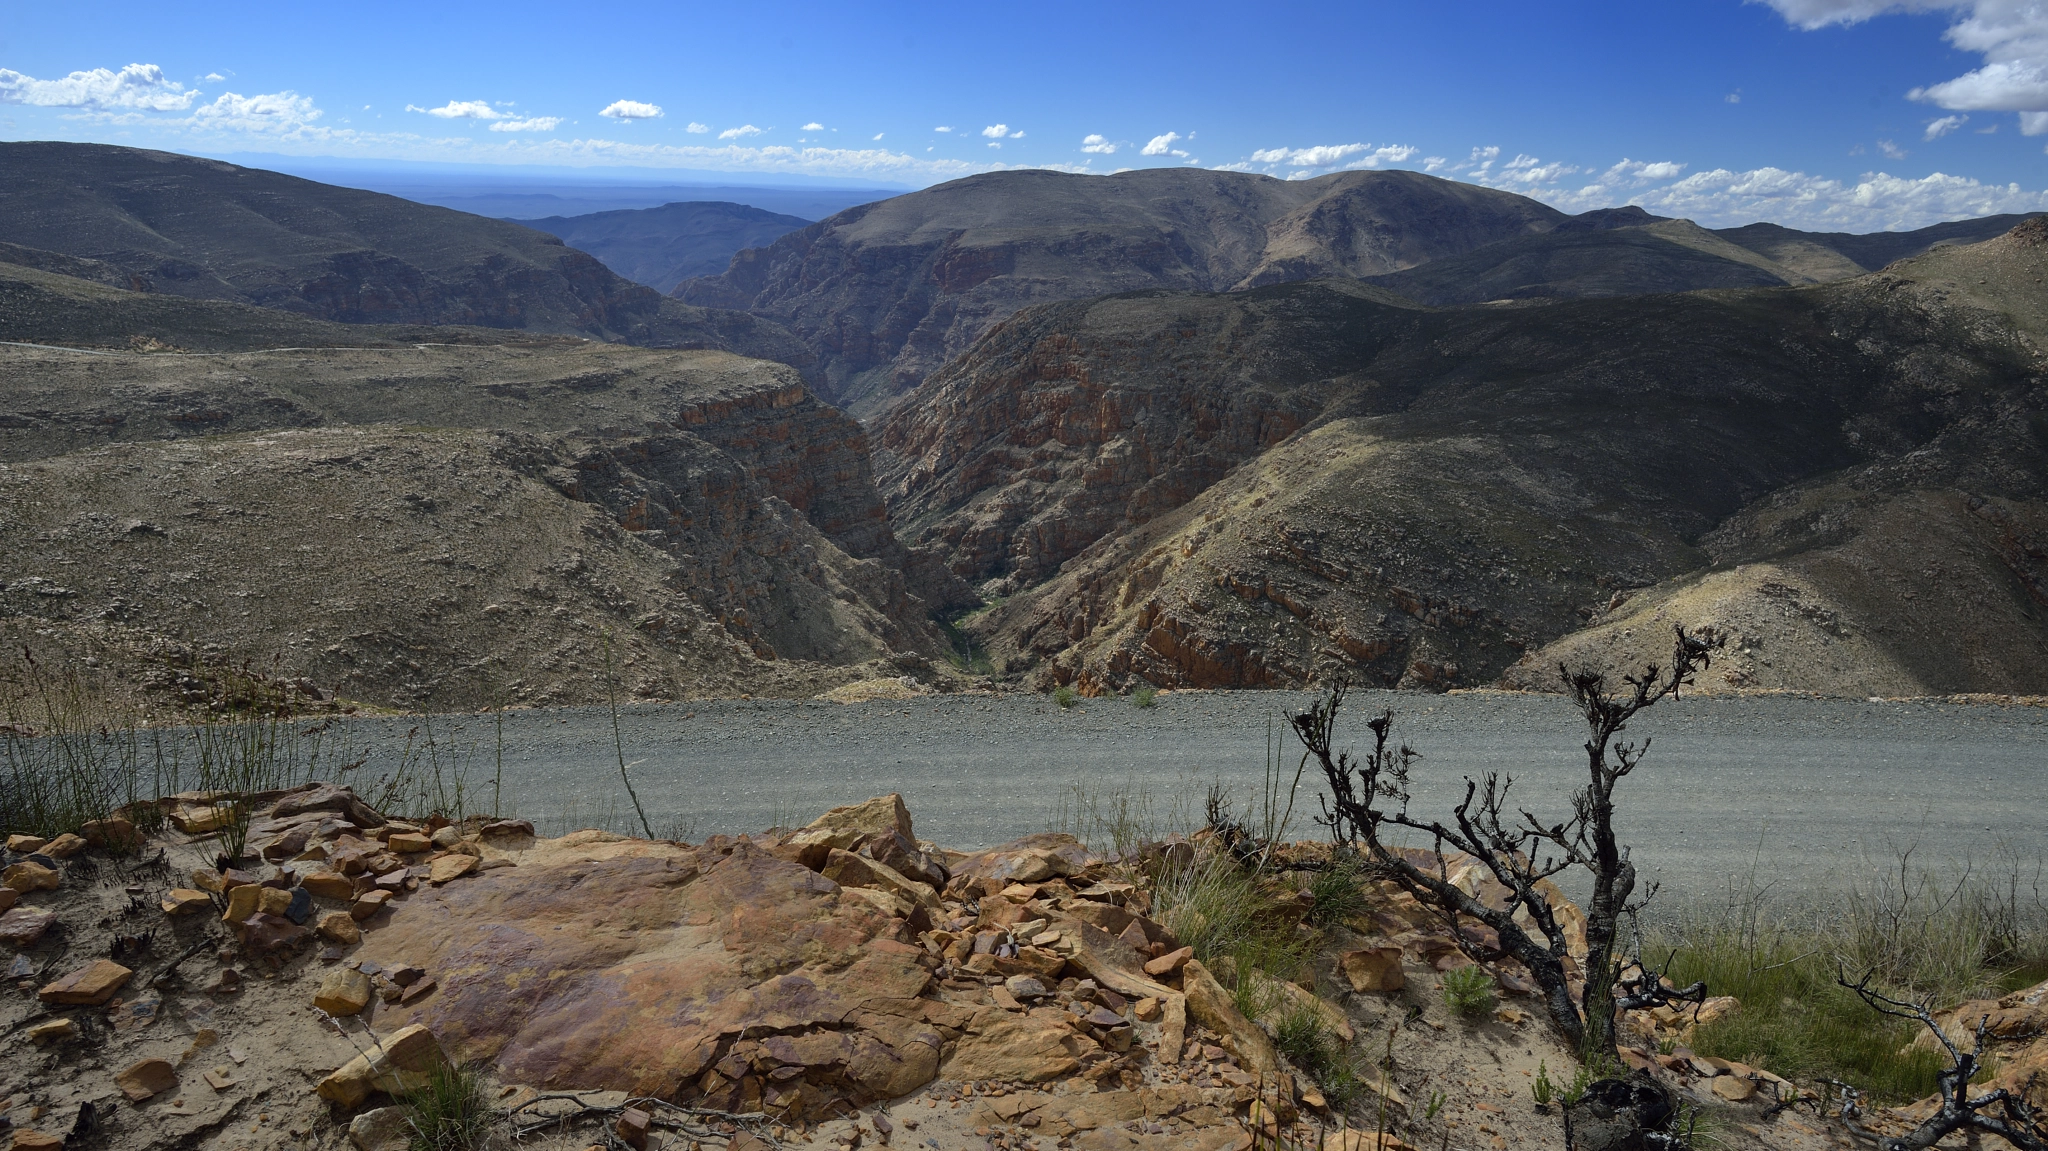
1146	696
1468	991
1320	1053
1339	893
449	1112
1239	931
1065	696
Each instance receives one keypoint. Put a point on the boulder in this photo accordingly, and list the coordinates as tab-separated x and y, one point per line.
265	934
24	844
1032	859
850	870
1214	1008
88	986
408	842
26	877
64	846
343	991
381	1129
846	827
340	927
114	832
21	927
329	885
1012	1048
186	901
243	902
450	867
403	1062
8	898
327	797
201	818
608	963
1374	969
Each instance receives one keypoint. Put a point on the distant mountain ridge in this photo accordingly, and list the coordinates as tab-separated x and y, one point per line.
184	226
662	247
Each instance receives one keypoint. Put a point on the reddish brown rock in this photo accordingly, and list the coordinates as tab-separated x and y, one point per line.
22	926
116	833
1374	969
89	986
64	846
658	969
145	1078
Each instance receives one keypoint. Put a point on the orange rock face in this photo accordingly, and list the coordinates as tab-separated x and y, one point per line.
639	965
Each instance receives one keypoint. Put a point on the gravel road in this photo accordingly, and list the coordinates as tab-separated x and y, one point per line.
1815	793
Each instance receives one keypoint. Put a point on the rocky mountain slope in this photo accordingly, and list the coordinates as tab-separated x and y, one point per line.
183	226
1415	496
885	293
445	525
662	247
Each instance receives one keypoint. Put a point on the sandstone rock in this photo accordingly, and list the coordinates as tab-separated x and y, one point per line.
201	818
1374	969
633	1126
1025	987
452	867
1032	859
265	934
186	901
852	870
29	1140
114	832
329	885
269	900
145	1078
1214	1008
243	902
1007	1047
381	1129
64	846
340	927
845	827
1733	1088
53	1030
8	898
507	828
446	837
90	986
327	797
343	992
1170	962
24	844
408	843
26	877
404	1062
369	903
207	879
23	926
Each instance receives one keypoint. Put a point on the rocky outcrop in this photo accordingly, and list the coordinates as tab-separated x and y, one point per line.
886	293
1453	489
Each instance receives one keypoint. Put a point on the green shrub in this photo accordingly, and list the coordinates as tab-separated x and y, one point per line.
1338	893
1217	908
1468	991
1065	696
1146	696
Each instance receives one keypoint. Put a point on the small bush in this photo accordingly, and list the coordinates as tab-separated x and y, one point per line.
1468	991
1146	696
1216	907
1065	696
449	1113
1321	1054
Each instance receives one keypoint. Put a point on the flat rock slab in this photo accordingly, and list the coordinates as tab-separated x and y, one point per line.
89	986
626	965
22	926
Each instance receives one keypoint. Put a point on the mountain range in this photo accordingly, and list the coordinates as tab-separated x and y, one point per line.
1170	427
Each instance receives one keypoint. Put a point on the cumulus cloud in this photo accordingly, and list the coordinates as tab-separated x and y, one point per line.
1891	151
696	129
996	131
2010	35
534	124
213	78
630	110
942	128
1098	145
1162	146
274	112
460	110
813	126
878	135
136	88
744	130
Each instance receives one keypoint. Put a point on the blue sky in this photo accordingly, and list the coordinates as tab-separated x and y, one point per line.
1840	114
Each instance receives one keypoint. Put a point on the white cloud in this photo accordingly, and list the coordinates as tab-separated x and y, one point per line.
1161	146
996	131
1641	172
1734	97
696	129
878	135
536	124
137	88
942	128
212	78
630	110
743	130
995	143
460	110
2011	36
813	126
275	112
1098	145
1891	151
